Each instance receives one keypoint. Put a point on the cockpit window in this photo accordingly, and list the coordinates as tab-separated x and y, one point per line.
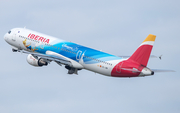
9	32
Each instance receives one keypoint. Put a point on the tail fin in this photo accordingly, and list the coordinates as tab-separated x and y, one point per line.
142	54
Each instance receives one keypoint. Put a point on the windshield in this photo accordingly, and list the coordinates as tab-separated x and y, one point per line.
9	32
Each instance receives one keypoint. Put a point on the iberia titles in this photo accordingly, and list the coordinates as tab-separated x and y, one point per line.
38	38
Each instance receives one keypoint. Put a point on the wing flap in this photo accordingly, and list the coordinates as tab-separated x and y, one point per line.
48	57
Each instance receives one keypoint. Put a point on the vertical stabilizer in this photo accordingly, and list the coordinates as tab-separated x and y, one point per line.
142	54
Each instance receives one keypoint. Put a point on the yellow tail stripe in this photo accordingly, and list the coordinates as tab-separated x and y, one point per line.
150	37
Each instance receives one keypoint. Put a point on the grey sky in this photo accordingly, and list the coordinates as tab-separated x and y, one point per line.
116	27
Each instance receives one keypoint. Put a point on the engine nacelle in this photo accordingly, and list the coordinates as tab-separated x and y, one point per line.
35	61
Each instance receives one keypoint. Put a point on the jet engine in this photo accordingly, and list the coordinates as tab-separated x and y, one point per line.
38	62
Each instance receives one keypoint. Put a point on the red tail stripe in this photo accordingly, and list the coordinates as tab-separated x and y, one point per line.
142	54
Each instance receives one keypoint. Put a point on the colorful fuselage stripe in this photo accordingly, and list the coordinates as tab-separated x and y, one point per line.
81	57
91	58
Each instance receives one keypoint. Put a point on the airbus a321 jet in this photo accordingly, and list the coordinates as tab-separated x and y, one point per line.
43	49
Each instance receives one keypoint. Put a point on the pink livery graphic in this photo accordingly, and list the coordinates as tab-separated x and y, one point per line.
38	38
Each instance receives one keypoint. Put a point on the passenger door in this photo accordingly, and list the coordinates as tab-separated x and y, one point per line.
15	35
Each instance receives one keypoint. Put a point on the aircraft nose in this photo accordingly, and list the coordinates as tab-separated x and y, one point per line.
5	37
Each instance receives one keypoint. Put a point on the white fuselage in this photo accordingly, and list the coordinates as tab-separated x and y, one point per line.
81	57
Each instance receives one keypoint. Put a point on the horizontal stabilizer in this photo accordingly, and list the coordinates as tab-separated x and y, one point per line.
133	70
162	70
151	56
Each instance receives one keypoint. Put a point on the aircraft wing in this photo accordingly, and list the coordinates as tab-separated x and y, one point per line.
57	59
151	56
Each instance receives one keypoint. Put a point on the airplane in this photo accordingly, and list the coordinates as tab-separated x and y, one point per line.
43	49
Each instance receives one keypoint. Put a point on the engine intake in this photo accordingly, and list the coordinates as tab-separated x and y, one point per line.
35	61
42	62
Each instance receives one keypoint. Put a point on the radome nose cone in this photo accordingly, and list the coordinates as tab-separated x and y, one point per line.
5	37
